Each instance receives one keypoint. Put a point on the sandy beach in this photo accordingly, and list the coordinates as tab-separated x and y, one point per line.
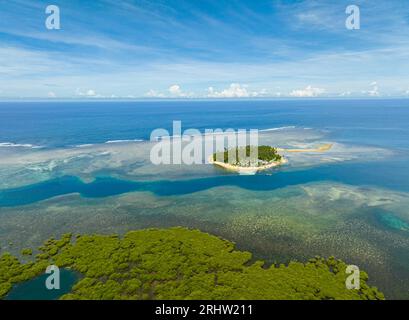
254	170
323	148
247	170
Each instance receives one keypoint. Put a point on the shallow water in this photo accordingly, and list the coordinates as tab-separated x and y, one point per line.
393	222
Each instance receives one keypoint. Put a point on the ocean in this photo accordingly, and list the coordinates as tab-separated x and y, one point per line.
62	124
84	167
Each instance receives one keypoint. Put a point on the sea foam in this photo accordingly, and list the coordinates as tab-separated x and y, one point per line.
19	145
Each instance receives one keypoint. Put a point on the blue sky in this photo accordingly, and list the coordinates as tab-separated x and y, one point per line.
204	49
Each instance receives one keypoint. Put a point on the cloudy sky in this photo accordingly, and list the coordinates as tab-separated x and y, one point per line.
204	49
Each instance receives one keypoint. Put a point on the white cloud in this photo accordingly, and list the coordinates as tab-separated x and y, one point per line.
154	94
345	94
307	92
374	91
262	92
176	91
235	90
51	94
19	65
90	93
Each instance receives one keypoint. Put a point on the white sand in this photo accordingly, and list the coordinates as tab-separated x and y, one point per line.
247	170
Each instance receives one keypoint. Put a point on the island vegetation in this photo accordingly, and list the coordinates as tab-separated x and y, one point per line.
241	159
265	155
179	263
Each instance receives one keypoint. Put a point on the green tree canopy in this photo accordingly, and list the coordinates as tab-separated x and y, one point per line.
179	263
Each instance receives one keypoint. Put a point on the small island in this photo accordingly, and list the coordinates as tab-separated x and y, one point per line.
267	157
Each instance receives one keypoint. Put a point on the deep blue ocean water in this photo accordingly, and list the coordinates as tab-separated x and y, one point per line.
61	124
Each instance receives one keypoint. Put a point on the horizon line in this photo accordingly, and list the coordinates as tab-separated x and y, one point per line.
136	99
